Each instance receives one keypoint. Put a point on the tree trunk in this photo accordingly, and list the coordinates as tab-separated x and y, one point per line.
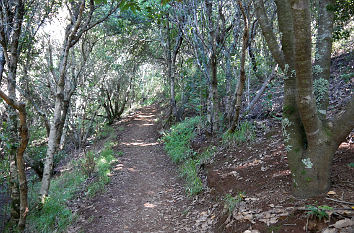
52	144
323	53
241	84
13	140
213	95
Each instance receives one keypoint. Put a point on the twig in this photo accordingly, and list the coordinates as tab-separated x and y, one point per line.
345	202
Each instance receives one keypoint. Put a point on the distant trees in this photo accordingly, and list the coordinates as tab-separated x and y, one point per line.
42	74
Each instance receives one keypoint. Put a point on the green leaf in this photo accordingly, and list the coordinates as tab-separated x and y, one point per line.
100	1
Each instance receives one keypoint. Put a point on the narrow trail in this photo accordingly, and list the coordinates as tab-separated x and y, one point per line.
145	193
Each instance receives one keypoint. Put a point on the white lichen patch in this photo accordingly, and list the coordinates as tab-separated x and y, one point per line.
307	162
307	99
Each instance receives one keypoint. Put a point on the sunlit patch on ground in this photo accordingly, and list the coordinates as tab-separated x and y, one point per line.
139	144
149	205
282	173
118	167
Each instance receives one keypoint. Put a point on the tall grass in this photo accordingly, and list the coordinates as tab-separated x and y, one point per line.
178	146
55	215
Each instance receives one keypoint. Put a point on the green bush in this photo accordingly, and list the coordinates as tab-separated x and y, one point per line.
177	144
244	133
319	211
231	201
105	132
89	163
54	214
104	165
177	140
190	173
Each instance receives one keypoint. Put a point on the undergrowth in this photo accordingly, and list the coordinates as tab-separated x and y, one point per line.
55	215
232	201
103	164
244	133
177	144
178	139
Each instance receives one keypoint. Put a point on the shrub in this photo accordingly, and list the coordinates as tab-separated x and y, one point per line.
231	202
89	163
318	212
103	165
190	173
177	140
54	214
244	133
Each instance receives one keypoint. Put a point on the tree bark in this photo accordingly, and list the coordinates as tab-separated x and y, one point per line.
242	80
261	90
9	40
323	52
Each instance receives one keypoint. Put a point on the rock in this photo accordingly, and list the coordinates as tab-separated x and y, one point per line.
333	230
344	223
331	193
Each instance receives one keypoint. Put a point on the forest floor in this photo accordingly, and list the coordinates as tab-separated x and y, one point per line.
145	194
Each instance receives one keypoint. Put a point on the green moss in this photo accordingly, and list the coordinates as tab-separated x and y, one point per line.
274	228
328	132
308	179
288	110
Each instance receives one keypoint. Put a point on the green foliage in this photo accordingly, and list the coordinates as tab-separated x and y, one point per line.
320	87
54	214
190	173
244	133
351	165
343	13
318	212
120	153
347	77
89	163
103	166
177	144
177	140
105	132
231	201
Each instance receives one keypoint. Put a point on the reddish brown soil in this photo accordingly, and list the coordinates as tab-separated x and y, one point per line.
146	193
259	170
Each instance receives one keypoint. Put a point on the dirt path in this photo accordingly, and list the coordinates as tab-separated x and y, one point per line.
145	193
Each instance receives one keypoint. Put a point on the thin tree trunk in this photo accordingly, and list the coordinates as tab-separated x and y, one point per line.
323	52
261	90
242	80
